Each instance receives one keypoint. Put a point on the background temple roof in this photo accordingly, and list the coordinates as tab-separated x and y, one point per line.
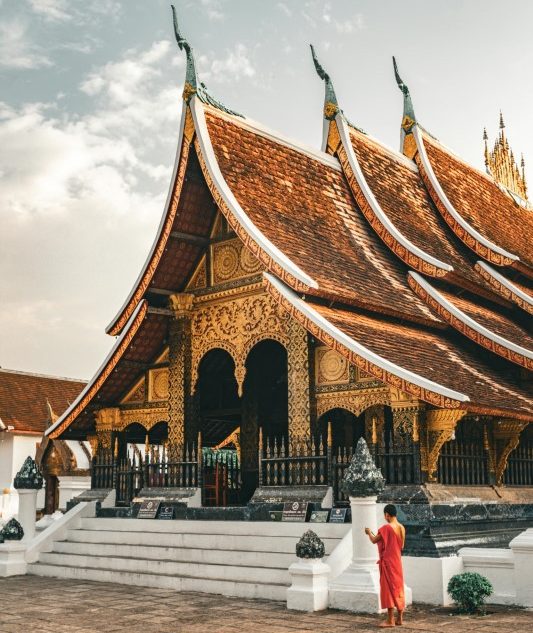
24	397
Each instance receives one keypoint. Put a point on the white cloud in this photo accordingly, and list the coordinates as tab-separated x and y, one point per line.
235	66
82	195
285	9
52	10
355	23
212	9
16	49
78	10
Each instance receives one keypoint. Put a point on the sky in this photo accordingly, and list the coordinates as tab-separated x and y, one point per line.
90	103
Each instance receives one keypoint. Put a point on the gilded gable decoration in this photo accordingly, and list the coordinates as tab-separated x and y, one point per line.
158	384
138	393
231	260
236	325
355	401
330	367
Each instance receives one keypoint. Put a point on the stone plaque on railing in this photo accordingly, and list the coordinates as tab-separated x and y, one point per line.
148	509
295	511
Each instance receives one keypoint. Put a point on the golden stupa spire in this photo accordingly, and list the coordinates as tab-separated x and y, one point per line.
501	163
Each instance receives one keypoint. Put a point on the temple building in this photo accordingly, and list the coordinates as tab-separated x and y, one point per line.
296	299
27	405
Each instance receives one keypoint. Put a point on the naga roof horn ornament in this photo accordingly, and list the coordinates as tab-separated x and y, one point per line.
331	105
192	85
409	118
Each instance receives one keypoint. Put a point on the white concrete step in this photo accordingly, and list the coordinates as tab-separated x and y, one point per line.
236	558
242	528
238	573
205	585
282	544
182	554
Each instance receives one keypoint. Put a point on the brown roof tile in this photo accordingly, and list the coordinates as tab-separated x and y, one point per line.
306	209
482	203
441	356
23	398
403	197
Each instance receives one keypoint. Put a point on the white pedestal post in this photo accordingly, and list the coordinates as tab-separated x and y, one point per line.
27	511
309	588
522	547
357	588
12	559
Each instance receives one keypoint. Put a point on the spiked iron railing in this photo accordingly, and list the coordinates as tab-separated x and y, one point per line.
293	462
161	466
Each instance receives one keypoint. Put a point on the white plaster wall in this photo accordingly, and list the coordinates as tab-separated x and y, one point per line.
6	468
13	451
497	565
70	487
429	577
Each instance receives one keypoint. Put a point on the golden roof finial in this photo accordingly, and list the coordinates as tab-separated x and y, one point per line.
502	165
485	139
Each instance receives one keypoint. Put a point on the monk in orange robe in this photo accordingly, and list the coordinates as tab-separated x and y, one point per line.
390	540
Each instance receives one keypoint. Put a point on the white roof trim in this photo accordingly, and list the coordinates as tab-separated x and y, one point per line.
229	198
359	349
91	382
462	316
506	282
446	202
161	223
376	208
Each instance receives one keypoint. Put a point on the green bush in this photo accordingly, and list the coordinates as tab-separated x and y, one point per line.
469	591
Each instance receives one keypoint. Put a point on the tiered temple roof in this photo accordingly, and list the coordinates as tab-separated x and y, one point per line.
416	267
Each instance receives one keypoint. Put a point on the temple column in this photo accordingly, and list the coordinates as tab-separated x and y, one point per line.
440	428
298	382
488	449
107	423
179	370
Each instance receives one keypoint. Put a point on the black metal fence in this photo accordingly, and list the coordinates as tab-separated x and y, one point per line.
158	467
400	468
519	471
294	463
463	464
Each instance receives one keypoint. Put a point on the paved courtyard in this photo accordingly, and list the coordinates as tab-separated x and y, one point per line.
29	604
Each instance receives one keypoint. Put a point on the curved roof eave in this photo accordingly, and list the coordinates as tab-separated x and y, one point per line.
146	274
408	252
471	328
93	386
504	286
360	355
271	256
477	242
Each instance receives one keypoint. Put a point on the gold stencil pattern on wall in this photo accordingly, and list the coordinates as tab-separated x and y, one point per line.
158	384
230	260
331	367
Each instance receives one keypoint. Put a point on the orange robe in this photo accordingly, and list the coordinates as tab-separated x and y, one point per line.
390	569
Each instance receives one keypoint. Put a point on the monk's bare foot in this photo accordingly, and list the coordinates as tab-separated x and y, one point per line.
399	619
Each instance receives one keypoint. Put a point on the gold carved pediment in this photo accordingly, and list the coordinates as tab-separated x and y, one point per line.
232	260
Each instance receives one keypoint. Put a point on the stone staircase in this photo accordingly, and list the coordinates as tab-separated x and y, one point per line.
248	559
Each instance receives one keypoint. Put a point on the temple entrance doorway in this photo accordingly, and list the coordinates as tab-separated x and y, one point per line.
264	406
219	423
